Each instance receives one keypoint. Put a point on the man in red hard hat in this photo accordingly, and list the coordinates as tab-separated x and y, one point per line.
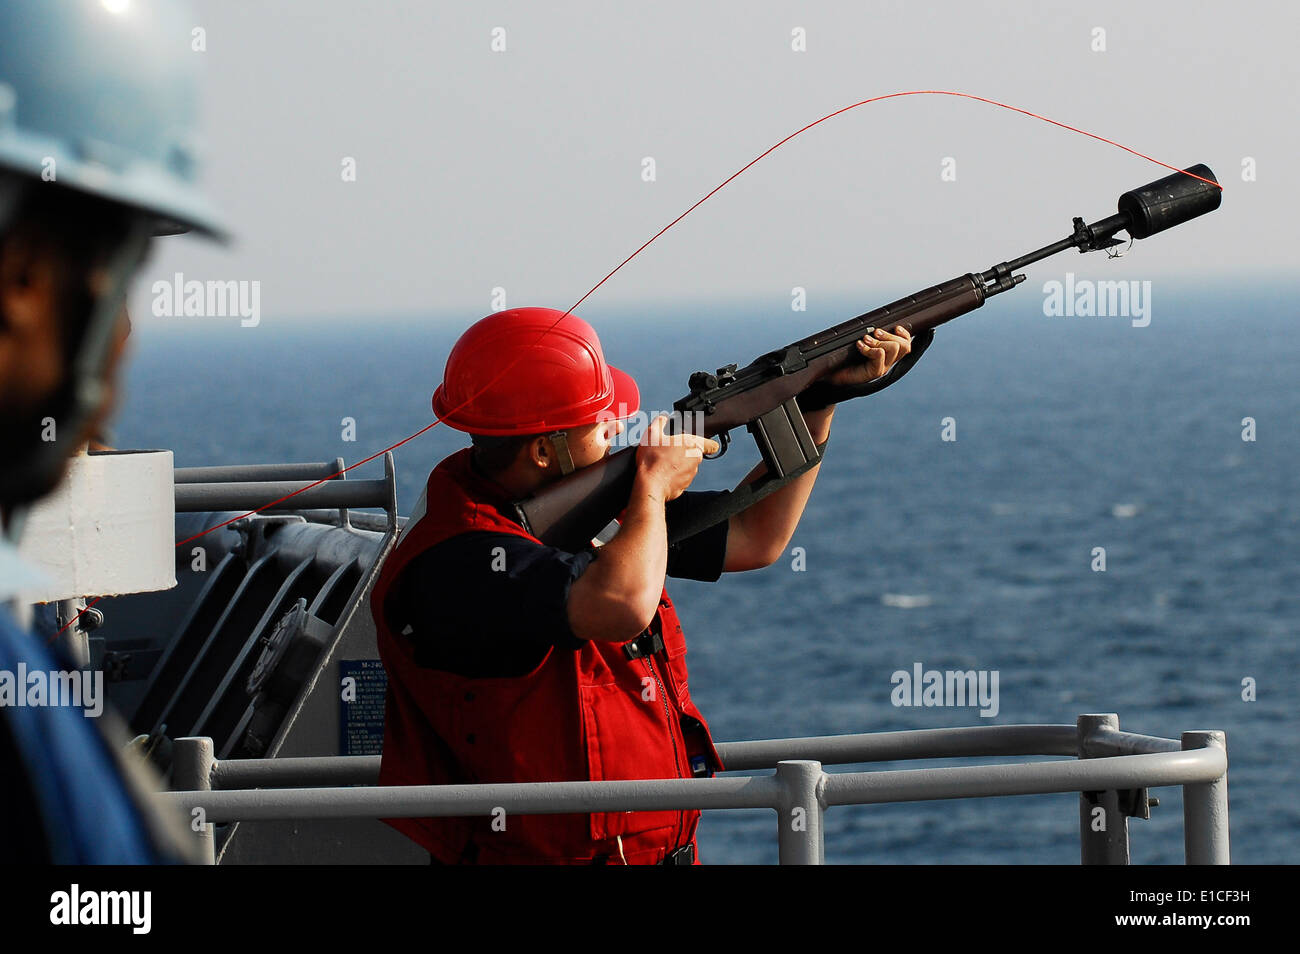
512	661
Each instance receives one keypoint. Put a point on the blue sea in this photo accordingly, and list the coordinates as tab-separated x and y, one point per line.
974	553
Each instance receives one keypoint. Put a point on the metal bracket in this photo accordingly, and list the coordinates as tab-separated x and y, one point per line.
341	473
1087	241
390	479
1136	802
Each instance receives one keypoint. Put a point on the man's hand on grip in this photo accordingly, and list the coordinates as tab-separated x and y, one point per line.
667	463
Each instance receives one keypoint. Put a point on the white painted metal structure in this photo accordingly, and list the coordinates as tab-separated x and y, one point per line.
107	529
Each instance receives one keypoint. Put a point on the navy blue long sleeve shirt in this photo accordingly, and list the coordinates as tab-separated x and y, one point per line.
487	604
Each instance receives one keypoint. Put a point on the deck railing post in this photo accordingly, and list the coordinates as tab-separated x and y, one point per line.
192	761
800	838
1103	827
1205	808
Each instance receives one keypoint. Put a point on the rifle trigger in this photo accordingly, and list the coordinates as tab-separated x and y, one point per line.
724	441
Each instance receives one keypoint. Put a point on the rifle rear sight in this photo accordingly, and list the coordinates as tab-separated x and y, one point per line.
703	381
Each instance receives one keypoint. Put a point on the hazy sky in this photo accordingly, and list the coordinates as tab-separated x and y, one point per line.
522	169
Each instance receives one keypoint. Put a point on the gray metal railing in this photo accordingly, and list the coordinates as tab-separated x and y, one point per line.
242	473
1112	772
312	485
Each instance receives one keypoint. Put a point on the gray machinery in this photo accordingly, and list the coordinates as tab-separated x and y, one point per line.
266	643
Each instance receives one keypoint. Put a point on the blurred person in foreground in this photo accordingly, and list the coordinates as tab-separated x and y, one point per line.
97	104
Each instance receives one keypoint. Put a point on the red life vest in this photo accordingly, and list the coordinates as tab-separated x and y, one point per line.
591	714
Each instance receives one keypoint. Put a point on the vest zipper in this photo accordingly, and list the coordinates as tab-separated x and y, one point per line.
668	717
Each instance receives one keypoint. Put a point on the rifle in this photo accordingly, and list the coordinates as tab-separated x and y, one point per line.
769	395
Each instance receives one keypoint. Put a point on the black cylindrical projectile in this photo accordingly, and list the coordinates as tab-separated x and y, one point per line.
1170	201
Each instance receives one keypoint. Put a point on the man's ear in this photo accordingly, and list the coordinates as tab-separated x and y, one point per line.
27	299
541	453
18	276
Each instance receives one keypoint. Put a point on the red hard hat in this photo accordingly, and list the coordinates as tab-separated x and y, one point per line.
556	378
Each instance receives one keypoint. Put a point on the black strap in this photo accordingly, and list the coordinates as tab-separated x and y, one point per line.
821	394
685	855
647	644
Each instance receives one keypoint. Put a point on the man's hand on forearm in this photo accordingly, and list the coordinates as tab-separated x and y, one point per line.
879	352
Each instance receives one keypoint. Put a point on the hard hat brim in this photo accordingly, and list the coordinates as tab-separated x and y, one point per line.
177	206
627	396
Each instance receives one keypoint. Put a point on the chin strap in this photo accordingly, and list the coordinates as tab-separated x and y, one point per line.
11	190
561	442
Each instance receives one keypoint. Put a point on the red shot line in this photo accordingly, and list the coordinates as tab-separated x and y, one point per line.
504	371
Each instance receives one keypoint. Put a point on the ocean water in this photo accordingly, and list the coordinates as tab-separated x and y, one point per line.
973	553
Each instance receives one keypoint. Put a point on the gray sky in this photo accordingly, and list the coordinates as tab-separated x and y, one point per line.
522	169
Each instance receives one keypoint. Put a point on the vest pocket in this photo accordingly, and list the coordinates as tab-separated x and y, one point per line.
626	735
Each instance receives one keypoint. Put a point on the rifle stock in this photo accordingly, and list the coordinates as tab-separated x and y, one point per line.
570	512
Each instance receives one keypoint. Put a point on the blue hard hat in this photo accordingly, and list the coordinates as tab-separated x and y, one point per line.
100	96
